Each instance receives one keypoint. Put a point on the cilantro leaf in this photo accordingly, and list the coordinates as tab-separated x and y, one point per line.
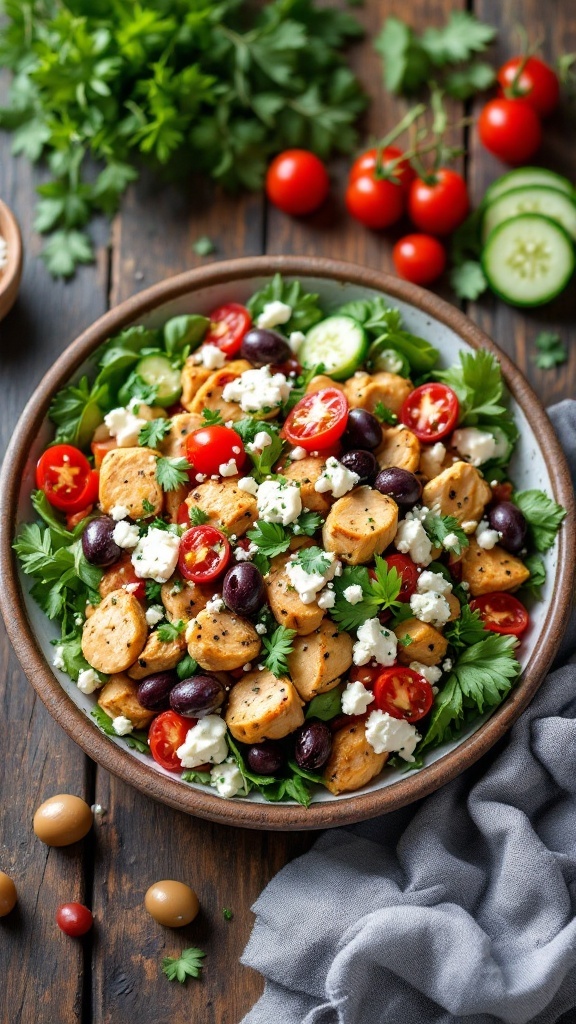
387	585
153	591
204	246
551	350
466	630
377	595
64	250
197	516
187	965
468	280
271	538
154	432
168	631
325	705
466	81
439	527
461	37
171	472
305	309
543	515
307	524
479	386
313	560
186	667
406	63
279	647
262	461
211	418
385	415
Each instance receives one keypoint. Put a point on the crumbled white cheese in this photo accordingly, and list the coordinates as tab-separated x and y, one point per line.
205	743
119	512
356	699
451	542
430	672
261	440
336	478
353	594
433	582
486	537
438	452
309	584
387	734
122	725
215	604
245	554
430	607
469	526
273	314
295	341
475	446
374	641
156	555
211	357
464	585
154	614
411	539
88	681
228	468
279	502
260	628
255	390
227	779
125	425
248	484
447	664
298	453
58	660
327	599
125	535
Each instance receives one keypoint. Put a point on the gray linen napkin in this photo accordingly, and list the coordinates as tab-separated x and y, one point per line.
458	908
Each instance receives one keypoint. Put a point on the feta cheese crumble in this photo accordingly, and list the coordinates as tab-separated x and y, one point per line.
122	725
156	555
411	539
274	313
211	357
255	390
227	779
356	699
248	484
433	582
295	341
205	743
279	502
327	599
477	446
309	584
336	478
374	641
260	628
215	604
88	681
353	594
228	468
154	614
485	536
125	425
391	735
451	542
125	535
58	660
298	453
119	512
430	607
261	441
432	673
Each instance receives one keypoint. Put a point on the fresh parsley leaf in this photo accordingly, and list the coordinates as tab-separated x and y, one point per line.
154	432
262	461
197	516
300	386
136	740
227	914
543	515
385	415
387	584
468	80
279	647
307	524
478	384
77	410
466	630
70	649
168	631
377	595
401	614
406	64
60	535
533	586
204	246
313	560
551	350
326	705
186	667
171	472
183	333
271	538
458	40
305	309
64	250
439	527
468	280
211	418
193	775
153	591
187	965
384	323
135	389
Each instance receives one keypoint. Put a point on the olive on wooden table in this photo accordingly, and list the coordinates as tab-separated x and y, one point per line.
399	484
98	544
265	758
154	691
362	463
173	904
264	347
362	431
511	524
313	745
197	696
62	820
243	589
8	895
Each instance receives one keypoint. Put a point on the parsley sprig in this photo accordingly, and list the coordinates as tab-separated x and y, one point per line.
187	965
169	631
439	527
154	432
171	472
305	309
377	594
551	350
271	539
136	740
543	515
278	647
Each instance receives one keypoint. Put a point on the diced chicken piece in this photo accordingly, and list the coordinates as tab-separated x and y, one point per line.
454	607
209	396
319	659
119	698
360	525
352	762
494	570
183	599
285	604
321	381
193	376
400	447
221	641
158	656
114	636
225	504
458	491
128	478
182	424
263	707
365	390
428	645
431	464
306	472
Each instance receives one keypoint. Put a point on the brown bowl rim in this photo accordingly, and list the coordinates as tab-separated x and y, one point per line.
145	778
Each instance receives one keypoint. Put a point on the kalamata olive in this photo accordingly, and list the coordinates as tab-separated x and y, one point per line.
362	431
98	544
8	895
313	745
265	758
197	696
62	820
264	347
173	904
154	691
399	484
243	589
510	523
362	463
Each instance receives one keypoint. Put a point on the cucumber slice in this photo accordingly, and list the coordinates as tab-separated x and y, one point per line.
532	199
159	372
528	260
382	356
339	342
524	176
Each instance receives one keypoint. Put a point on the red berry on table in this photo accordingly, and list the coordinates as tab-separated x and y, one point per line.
297	182
74	919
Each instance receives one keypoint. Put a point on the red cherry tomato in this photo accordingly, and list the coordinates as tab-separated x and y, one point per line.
297	182
211	447
403	693
204	554
101	448
419	258
377	203
439	206
168	732
67	478
228	325
367	162
430	411
502	613
409	573
183	515
74	919
365	674
531	80
502	492
318	420
510	129
122	575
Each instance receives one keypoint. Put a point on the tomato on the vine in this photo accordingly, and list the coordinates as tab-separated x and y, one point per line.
208	448
438	205
501	613
74	919
510	129
402	693
204	554
419	258
318	420
67	478
408	570
168	732
531	80
367	163
228	325
375	202
430	412
297	182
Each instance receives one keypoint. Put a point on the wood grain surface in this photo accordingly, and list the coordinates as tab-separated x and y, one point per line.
113	976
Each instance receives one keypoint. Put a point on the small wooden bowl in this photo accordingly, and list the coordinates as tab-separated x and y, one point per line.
12	272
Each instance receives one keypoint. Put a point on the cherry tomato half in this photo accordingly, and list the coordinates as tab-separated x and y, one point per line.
168	732
419	258
403	693
440	205
430	411
74	919
318	420
211	447
228	325
409	573
501	613
67	478
510	129
122	575
367	162
375	202
531	80
297	182
365	674
204	554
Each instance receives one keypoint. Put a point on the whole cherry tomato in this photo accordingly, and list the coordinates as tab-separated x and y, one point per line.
74	919
67	478
375	202
297	182
403	693
367	163
502	613
510	129
407	569
228	325
209	448
419	258
531	80
430	411
439	205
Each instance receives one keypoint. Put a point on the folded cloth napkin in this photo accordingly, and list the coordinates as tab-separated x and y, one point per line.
459	908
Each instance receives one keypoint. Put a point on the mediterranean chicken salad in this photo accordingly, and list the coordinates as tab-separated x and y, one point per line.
283	545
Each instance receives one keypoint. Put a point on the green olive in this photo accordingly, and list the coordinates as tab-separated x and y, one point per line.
8	895
62	820
172	904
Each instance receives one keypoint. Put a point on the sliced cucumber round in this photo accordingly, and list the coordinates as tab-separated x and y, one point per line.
528	260
382	356
339	342
159	373
532	199
524	176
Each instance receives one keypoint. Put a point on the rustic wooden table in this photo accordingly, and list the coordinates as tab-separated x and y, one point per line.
114	976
